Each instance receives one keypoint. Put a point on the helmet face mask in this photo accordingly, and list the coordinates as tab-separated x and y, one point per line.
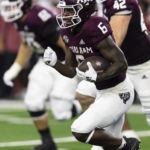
69	16
74	11
11	10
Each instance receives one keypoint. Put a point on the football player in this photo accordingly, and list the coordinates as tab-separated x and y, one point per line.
130	33
87	36
38	29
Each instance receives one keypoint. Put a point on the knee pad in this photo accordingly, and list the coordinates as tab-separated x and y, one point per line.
62	115
66	110
34	105
37	114
61	108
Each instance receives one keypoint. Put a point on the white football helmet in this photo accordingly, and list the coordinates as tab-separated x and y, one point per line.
11	9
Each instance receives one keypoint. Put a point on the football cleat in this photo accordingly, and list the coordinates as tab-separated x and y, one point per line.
131	144
45	147
130	133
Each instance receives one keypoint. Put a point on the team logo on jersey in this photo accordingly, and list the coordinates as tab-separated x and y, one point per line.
84	1
124	96
82	42
144	77
44	15
66	39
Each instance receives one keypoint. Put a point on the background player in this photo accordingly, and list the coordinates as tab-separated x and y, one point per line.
38	29
109	108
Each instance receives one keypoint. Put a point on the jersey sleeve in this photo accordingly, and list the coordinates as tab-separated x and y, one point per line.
44	23
97	30
51	31
122	7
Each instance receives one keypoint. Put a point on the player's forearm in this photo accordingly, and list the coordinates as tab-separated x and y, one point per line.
24	55
114	70
65	70
119	25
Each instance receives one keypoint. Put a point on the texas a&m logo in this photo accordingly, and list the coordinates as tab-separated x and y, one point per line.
124	96
84	1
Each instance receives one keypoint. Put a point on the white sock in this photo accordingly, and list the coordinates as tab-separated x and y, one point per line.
122	144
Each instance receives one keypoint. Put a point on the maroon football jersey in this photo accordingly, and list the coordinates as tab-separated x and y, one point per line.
39	30
84	44
136	45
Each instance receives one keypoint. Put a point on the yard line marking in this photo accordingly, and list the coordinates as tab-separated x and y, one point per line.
36	142
16	120
143	133
58	140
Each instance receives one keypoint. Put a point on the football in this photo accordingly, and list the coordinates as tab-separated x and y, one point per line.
99	64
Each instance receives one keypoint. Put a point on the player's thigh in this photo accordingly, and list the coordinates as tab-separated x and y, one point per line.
101	114
108	107
141	82
39	86
116	128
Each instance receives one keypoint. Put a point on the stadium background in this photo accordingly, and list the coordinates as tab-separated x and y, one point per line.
17	131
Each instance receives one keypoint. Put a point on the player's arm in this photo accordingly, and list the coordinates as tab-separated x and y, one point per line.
61	43
70	61
119	25
1	44
67	69
22	58
110	51
23	55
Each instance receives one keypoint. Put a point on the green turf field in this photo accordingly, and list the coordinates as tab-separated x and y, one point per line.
18	133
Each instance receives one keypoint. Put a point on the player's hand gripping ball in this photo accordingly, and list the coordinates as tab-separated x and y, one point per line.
89	68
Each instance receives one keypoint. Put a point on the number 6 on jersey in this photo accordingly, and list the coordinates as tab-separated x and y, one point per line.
103	28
